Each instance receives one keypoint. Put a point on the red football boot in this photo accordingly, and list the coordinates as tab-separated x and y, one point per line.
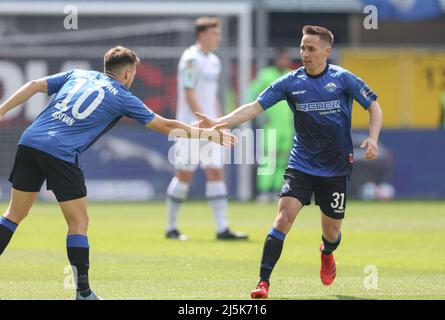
327	270
261	291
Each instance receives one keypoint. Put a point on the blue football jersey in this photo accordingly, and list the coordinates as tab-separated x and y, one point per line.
86	104
322	108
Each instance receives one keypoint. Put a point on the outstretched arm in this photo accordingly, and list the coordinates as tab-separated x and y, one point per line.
375	124
244	113
181	130
23	94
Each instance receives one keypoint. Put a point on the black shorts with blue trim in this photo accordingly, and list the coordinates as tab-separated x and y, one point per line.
32	167
330	192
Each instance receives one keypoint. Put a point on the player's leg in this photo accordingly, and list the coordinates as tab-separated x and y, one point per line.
77	244
19	206
177	192
331	237
186	160
331	233
27	179
296	192
331	196
288	209
211	157
67	182
216	194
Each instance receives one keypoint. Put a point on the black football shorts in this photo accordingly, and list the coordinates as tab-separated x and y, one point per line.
330	192
32	167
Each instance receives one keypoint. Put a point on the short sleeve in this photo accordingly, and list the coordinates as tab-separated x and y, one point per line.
360	91
134	108
190	74
56	81
274	93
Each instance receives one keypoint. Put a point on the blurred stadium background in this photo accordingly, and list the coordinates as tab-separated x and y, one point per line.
403	60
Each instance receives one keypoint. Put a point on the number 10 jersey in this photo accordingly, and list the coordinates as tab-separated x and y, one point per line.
85	105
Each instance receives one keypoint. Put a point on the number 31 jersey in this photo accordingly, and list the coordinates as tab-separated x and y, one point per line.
86	104
322	107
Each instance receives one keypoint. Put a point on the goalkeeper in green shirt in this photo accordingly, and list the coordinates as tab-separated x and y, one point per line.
280	119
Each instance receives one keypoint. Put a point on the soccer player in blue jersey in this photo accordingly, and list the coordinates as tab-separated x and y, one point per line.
320	96
85	105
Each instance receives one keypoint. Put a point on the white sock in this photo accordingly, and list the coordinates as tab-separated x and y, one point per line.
176	192
216	192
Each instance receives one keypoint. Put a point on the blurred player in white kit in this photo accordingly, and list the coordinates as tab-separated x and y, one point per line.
198	75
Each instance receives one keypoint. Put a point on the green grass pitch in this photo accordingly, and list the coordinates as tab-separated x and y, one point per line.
403	242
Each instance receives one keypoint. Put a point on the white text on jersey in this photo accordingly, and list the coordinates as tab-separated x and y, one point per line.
63	117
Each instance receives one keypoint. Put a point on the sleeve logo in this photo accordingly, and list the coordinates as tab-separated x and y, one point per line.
366	92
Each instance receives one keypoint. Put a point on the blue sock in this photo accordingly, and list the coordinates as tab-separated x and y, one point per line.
78	250
273	245
329	247
7	229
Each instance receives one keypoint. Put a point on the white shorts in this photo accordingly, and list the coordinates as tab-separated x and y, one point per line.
189	153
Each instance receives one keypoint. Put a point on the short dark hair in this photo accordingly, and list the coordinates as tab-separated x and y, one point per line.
202	24
118	57
322	32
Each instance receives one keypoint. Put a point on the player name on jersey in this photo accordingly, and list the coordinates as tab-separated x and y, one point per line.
58	115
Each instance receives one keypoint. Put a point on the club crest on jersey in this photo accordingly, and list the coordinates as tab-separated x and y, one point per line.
330	87
285	188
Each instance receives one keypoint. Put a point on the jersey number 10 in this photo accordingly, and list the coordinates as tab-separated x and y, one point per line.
65	104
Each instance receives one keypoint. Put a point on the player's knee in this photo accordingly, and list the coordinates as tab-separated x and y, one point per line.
184	176
331	233
284	221
215	175
78	225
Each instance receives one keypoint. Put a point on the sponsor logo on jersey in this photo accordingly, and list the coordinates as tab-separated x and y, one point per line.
298	92
318	106
330	87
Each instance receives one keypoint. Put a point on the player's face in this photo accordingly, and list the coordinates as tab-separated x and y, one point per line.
314	52
211	38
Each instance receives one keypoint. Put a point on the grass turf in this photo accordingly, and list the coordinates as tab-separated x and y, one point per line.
131	259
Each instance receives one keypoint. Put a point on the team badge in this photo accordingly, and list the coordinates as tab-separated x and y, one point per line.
330	87
285	188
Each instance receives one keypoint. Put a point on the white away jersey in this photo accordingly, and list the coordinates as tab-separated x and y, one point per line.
198	71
